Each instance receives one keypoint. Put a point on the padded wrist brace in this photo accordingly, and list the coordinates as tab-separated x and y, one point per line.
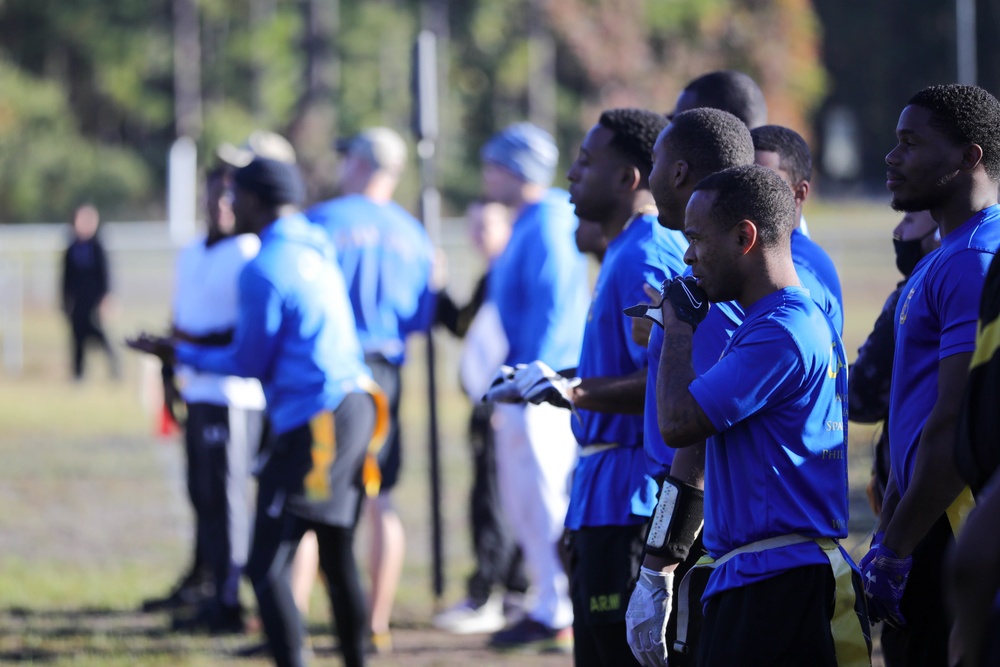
677	520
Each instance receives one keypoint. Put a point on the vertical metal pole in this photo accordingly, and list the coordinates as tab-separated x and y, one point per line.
187	69
426	130
542	88
965	40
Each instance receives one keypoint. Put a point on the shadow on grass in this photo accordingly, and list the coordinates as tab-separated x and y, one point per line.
47	636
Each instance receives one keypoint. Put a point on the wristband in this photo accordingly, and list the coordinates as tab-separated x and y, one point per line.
677	520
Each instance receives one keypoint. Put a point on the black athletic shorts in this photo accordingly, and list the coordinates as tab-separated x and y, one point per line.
604	562
300	477
784	621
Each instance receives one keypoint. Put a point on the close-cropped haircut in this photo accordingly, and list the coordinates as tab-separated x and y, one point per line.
731	91
793	151
633	134
752	193
710	140
966	115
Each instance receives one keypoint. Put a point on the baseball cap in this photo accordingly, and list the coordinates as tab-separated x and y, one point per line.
274	181
382	147
260	143
525	149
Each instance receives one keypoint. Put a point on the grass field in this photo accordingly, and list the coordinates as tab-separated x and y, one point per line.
92	510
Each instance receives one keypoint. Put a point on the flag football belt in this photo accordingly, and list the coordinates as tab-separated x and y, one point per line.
590	450
848	635
324	448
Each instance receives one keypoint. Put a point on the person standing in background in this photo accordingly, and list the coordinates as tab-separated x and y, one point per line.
870	376
499	563
387	261
540	288
86	287
224	413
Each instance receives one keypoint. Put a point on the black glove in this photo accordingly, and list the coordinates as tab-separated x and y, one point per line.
689	301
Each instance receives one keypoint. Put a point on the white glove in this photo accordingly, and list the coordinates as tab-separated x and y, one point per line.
647	616
538	384
503	389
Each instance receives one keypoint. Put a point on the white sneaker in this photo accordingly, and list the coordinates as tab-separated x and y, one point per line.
466	619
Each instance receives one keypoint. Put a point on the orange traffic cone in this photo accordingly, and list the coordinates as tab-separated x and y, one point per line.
166	427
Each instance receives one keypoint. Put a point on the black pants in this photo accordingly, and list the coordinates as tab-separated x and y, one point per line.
85	323
220	443
603	564
924	640
498	558
783	621
285	511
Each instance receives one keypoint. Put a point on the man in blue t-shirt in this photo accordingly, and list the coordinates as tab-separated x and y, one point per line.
612	495
947	161
387	260
773	411
787	153
538	285
696	144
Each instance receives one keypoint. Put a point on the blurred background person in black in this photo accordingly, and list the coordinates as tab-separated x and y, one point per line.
86	286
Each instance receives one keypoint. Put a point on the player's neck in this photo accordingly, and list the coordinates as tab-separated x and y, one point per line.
774	271
958	209
627	213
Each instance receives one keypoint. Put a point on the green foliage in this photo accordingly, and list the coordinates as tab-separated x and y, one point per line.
46	166
88	103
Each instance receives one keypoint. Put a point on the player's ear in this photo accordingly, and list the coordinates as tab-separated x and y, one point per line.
801	192
972	155
746	235
631	178
680	173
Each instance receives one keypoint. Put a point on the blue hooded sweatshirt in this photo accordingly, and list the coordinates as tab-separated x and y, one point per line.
295	330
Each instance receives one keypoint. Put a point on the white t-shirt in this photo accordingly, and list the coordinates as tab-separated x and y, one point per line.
206	301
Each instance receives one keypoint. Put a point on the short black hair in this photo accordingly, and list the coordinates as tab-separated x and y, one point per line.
710	140
752	193
634	133
792	149
731	91
966	115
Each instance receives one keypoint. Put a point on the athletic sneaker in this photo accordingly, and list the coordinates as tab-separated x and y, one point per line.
195	587
469	618
212	618
533	636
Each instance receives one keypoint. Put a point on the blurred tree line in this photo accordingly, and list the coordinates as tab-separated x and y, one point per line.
93	92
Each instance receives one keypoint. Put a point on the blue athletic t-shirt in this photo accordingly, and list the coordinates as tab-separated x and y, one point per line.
611	487
779	462
386	258
710	339
540	286
818	275
936	318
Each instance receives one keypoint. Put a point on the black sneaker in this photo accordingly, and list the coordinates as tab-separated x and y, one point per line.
532	636
194	588
213	618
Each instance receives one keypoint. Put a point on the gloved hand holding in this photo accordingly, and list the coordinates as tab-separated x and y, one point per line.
503	389
884	576
872	548
537	383
689	301
647	615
